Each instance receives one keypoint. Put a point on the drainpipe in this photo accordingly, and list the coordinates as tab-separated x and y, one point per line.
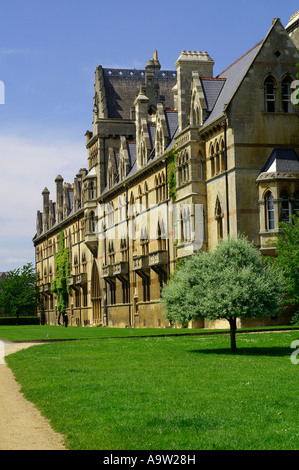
168	246
226	177
128	245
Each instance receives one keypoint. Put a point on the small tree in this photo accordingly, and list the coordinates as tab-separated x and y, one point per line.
18	292
231	282
60	285
287	260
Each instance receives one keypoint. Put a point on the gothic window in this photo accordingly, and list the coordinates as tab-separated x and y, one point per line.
139	203
111	252
187	223
219	219
222	156
76	264
201	167
112	289
146	195
144	241
132	207
286	95
125	291
92	222
217	159
269	207
83	259
183	168
212	160
122	208
157	189
123	249
285	207
269	93
161	236
91	190
146	281
77	298
160	187
110	214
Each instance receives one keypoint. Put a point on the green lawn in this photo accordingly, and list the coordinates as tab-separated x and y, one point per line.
48	333
43	332
166	393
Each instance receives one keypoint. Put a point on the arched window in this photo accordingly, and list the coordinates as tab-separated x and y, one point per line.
146	194
217	159
144	240
212	160
269	206
110	214
124	249
132	207
111	253
286	95
92	222
91	190
285	207
218	218
161	235
139	204
200	167
187	223
269	92
222	156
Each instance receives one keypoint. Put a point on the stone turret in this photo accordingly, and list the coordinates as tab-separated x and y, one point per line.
187	63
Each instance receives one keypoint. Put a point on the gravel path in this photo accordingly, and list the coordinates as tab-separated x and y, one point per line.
22	427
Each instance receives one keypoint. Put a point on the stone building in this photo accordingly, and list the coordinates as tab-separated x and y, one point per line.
176	160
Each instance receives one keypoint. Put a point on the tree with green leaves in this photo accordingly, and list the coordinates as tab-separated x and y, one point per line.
231	282
18	292
60	285
287	259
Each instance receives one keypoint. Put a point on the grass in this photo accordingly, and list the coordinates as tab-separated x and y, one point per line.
44	332
166	393
48	333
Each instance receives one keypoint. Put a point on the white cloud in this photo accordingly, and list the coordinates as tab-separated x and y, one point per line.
27	167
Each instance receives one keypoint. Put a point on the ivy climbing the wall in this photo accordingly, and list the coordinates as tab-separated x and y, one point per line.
171	173
60	285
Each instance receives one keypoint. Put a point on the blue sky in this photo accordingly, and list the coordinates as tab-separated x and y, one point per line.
48	54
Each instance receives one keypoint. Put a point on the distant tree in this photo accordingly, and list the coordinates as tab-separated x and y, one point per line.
18	292
231	282
287	260
60	285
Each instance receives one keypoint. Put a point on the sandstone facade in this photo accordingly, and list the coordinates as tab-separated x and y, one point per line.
176	160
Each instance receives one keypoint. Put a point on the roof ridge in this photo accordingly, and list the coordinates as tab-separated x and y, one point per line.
213	78
244	55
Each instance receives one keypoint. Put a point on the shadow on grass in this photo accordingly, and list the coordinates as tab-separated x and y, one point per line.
273	352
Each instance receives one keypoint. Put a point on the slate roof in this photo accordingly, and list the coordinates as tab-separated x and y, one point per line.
282	160
122	86
212	88
233	76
